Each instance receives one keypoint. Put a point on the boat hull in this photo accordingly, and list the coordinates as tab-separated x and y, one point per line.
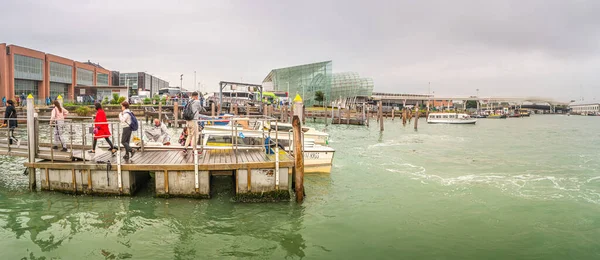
461	122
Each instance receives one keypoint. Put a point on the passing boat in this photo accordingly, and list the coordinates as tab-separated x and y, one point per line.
450	118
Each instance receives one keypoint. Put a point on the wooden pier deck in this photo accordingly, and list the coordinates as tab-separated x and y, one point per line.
175	160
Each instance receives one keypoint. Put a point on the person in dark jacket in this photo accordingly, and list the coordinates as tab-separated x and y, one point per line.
10	120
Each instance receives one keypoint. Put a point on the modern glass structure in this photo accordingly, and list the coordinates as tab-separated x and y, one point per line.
349	86
304	80
131	81
141	81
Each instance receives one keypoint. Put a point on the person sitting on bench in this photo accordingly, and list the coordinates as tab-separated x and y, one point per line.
158	133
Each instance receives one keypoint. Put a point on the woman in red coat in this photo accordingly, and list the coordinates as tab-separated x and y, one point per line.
101	129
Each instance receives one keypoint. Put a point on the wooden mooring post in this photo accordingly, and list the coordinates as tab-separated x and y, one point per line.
160	111
299	158
31	139
176	114
392	113
417	116
366	116
380	116
212	109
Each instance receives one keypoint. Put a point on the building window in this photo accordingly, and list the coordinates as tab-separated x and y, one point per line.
28	68
131	81
58	89
102	79
26	87
85	77
61	73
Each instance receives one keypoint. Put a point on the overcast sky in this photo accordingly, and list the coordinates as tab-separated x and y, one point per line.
544	48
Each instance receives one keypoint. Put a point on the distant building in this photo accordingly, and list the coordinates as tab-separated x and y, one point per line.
27	71
141	81
585	107
307	79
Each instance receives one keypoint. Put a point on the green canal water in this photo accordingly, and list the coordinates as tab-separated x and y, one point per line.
525	188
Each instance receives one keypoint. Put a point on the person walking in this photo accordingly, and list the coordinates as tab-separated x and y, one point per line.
126	121
10	120
57	119
101	129
23	100
191	113
18	99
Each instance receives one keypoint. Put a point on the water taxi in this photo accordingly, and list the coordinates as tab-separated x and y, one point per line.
450	118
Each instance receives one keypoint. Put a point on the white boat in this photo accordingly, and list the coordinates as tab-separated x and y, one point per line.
317	158
450	118
259	126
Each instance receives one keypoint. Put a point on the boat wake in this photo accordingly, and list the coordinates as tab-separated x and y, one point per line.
528	185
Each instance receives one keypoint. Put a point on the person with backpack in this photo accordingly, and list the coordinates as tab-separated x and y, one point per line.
57	119
130	124
10	120
191	113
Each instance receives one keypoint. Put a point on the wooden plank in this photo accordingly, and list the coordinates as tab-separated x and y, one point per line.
149	157
227	156
176	157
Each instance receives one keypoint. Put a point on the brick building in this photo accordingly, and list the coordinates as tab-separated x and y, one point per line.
28	71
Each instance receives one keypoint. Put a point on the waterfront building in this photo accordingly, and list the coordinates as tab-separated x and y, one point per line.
585	107
27	71
141	81
307	79
304	80
350	88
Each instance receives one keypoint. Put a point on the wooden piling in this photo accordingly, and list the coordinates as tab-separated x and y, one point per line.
160	111
303	114
417	116
265	107
348	112
212	109
367	114
380	116
32	145
299	158
404	115
392	113
235	109
176	114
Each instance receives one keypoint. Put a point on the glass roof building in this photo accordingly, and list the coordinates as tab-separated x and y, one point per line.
304	80
350	87
307	79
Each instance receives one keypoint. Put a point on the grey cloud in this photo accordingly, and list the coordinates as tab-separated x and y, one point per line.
501	47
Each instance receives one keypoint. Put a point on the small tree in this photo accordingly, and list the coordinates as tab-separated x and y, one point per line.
115	99
319	96
471	104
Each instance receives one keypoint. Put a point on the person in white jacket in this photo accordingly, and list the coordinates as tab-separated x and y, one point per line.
125	119
158	133
57	119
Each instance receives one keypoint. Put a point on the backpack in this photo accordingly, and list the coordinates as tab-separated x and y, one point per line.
188	112
134	122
